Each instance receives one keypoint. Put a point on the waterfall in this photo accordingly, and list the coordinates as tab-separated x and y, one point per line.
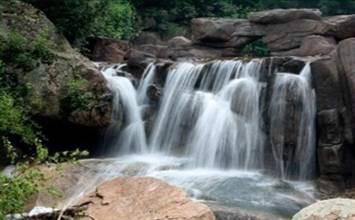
178	92
211	113
219	129
132	138
146	81
292	125
227	133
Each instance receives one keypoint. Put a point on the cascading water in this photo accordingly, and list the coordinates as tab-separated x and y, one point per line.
292	126
132	138
148	77
227	133
209	135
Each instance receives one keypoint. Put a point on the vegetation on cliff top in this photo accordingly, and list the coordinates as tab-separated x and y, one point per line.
79	19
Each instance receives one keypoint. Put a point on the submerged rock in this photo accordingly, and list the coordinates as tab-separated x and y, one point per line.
341	209
142	198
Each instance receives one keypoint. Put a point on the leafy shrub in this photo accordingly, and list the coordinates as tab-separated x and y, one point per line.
14	123
256	49
119	21
15	192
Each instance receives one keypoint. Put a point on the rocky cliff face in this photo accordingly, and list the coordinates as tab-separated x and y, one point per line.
67	94
67	74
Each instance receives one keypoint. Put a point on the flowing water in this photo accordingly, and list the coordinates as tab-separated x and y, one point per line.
293	104
209	135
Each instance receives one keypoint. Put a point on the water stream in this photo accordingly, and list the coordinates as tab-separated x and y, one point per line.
209	135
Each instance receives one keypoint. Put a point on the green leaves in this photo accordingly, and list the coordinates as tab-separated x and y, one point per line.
15	192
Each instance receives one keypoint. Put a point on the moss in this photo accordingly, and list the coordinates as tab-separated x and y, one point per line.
77	97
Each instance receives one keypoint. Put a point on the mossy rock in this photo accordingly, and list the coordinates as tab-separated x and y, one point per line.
48	78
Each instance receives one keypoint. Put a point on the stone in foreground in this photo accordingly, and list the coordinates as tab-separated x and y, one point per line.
340	209
140	198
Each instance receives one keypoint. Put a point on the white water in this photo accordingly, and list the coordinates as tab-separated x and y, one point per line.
208	136
293	109
132	138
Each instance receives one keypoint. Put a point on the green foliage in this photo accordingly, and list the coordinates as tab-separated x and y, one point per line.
118	22
256	49
14	124
20	52
15	192
77	98
79	19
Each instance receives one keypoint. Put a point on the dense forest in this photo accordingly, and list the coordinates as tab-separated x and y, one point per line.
22	142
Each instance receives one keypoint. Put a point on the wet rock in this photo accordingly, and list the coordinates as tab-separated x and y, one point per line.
343	209
109	50
328	83
277	16
311	46
346	67
137	61
331	143
142	198
234	213
343	26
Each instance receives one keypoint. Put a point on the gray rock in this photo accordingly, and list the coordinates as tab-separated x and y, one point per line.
147	38
179	42
312	45
223	32
346	66
328	210
343	26
109	50
287	36
277	16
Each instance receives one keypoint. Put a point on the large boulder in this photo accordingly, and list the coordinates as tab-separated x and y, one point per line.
342	209
142	198
312	45
343	26
224	32
287	36
69	87
346	66
277	16
109	50
147	38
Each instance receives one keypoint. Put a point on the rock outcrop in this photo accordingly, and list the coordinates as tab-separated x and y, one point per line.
69	87
278	16
342	209
142	198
